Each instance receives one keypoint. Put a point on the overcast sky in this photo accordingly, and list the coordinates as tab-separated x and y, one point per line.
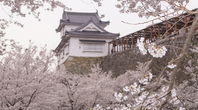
43	32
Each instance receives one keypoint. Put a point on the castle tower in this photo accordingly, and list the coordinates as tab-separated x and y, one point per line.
82	35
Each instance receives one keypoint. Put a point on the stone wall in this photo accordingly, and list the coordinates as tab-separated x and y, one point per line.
81	65
121	62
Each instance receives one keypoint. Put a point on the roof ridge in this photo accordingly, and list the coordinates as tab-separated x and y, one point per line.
74	12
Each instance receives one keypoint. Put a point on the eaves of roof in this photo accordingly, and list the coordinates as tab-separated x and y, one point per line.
92	34
61	44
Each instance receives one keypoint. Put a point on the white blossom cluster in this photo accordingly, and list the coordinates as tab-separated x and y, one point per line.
123	107
120	97
146	79
98	107
156	50
141	45
153	49
133	89
174	100
135	97
120	107
136	88
171	66
155	99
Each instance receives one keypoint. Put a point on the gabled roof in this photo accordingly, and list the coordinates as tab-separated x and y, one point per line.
82	32
84	26
79	18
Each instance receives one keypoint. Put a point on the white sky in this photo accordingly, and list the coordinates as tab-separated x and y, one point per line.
43	32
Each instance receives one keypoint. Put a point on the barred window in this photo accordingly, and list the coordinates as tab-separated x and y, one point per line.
92	47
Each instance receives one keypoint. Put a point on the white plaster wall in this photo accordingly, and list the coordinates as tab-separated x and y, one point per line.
76	48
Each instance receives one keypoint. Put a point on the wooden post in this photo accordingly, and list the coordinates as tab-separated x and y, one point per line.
109	51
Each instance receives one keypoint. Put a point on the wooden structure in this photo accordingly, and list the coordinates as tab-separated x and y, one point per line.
168	28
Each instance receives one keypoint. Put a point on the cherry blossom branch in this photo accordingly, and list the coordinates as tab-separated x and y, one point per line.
181	57
158	18
31	98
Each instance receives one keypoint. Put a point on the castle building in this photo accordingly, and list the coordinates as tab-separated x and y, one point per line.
82	35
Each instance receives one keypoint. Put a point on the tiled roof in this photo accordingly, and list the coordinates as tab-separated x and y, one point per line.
79	18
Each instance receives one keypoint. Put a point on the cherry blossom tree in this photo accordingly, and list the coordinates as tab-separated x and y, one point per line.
168	81
26	79
169	8
30	80
87	91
